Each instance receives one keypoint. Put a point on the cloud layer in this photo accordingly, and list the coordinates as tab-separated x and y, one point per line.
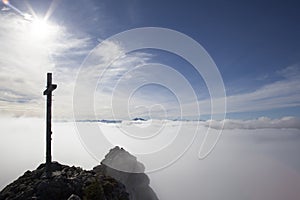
258	163
260	123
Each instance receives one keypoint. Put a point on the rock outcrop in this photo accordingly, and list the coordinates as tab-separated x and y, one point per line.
119	177
71	183
125	168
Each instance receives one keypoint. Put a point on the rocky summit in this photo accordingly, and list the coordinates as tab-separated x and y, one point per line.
125	168
119	177
66	183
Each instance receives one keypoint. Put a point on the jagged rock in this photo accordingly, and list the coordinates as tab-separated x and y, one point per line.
119	177
124	167
119	159
65	182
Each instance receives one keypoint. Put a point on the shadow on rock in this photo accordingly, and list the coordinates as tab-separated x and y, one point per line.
124	167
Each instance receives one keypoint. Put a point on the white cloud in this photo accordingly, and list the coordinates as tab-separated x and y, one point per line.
290	72
283	93
279	94
25	58
24	61
260	123
5	9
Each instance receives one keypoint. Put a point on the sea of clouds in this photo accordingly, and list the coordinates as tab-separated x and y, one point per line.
253	159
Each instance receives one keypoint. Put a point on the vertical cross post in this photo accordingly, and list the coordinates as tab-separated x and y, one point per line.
48	92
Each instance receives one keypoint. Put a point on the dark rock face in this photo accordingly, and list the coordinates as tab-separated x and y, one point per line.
125	168
66	183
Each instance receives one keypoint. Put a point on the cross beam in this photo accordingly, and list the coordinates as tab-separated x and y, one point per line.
48	92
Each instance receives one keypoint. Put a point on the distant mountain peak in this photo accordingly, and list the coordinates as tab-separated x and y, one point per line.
139	119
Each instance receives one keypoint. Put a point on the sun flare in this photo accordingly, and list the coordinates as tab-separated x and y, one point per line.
5	2
40	28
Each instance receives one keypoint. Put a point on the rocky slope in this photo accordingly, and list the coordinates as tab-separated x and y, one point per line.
119	177
66	183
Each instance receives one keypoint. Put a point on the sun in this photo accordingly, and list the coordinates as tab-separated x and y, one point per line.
41	29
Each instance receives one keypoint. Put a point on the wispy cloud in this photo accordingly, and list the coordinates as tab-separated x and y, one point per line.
119	91
24	60
278	94
114	79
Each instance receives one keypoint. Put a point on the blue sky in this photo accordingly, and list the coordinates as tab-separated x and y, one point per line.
255	45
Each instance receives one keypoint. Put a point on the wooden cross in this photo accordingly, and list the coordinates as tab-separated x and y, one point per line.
48	92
